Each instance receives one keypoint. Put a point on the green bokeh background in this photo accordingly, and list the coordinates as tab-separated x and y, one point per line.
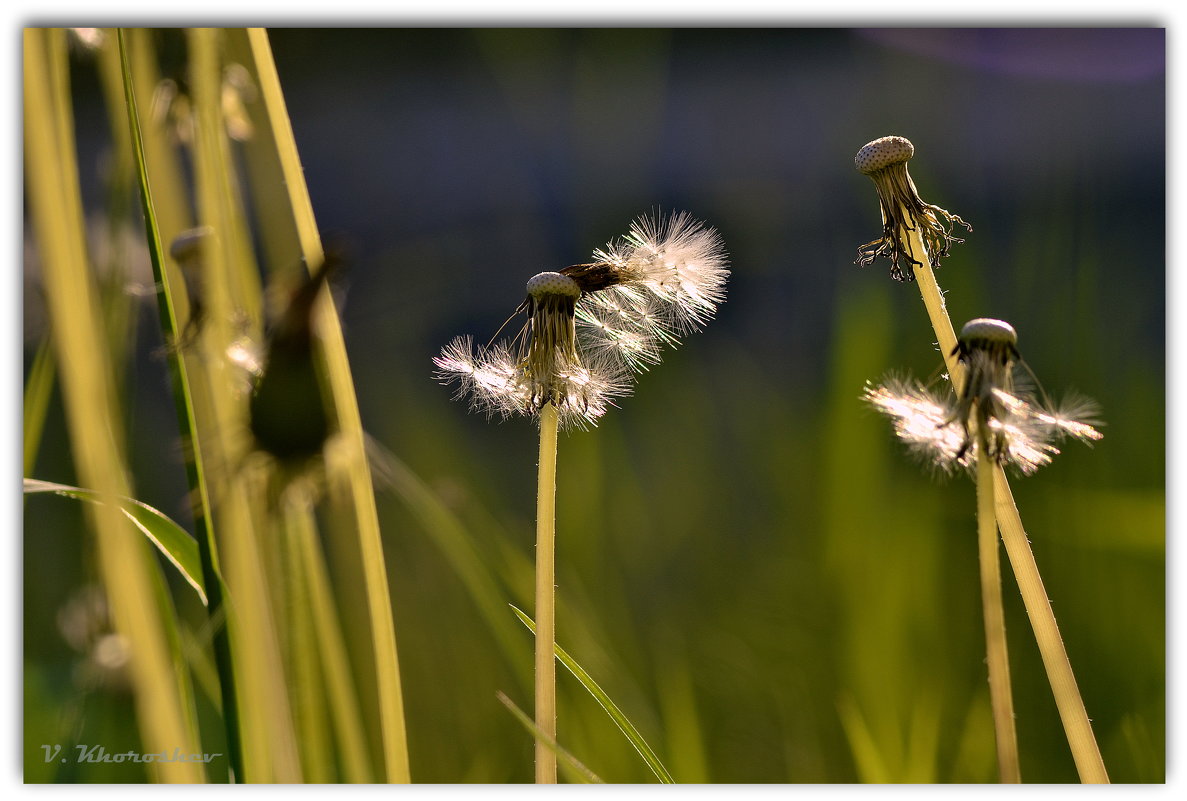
747	562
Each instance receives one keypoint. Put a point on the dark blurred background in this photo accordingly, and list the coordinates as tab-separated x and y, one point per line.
747	562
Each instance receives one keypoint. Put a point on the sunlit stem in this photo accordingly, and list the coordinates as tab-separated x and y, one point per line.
1076	725
997	655
546	596
1042	619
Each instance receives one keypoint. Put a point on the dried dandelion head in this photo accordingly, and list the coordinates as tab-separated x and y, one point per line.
592	326
885	161
989	350
1017	428
544	367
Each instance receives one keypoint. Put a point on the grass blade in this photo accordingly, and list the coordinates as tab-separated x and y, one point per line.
173	541
131	578
38	389
183	401
620	720
549	742
291	236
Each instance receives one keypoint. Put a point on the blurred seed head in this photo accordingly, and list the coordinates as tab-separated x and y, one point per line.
289	409
84	621
885	160
1018	429
172	105
592	326
188	250
88	39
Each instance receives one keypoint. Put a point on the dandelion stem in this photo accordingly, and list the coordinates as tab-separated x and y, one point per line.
1076	725
933	300
546	596
997	654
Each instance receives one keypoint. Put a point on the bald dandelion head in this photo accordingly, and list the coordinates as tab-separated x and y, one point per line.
885	160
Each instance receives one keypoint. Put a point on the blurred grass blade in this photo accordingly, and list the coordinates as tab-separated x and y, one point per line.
170	539
457	544
131	577
305	671
867	757
290	236
620	720
39	388
270	751
346	719
565	757
187	421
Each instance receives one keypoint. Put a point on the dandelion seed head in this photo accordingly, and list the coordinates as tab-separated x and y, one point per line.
486	377
592	327
991	418
1075	416
881	153
495	383
923	420
676	259
884	160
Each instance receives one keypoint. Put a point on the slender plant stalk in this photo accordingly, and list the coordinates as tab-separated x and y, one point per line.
570	761
310	715
997	654
39	387
269	742
1076	724
183	401
163	702
346	719
546	597
352	497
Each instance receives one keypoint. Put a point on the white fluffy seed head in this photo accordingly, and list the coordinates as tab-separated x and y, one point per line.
881	153
930	425
985	329
543	284
673	269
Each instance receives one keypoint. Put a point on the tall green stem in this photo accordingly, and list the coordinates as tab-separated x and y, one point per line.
546	596
997	654
183	402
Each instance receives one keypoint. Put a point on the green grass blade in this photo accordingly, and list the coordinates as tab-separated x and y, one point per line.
566	759
291	236
130	574
38	389
620	720
345	717
173	541
183	401
457	544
